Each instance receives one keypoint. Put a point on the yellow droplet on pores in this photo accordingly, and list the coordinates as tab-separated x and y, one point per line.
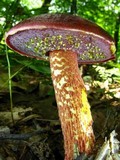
113	48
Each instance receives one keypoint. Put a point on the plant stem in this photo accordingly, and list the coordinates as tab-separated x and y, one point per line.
10	85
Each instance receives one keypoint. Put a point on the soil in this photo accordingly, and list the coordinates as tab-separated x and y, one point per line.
36	132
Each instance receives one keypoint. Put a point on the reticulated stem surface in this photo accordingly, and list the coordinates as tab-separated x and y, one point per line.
73	107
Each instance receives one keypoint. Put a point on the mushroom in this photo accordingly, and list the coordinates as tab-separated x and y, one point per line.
66	40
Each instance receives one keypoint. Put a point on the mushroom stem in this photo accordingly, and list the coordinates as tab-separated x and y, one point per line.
73	107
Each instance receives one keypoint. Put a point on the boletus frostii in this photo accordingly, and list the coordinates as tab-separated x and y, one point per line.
66	41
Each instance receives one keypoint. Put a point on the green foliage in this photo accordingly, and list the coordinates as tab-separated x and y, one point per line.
39	66
104	13
112	74
62	6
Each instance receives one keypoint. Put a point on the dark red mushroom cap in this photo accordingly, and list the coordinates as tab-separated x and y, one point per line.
38	35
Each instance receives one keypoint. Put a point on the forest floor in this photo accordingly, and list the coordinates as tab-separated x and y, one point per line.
36	131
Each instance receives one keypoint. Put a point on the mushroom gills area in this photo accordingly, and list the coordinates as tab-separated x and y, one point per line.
36	43
73	107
